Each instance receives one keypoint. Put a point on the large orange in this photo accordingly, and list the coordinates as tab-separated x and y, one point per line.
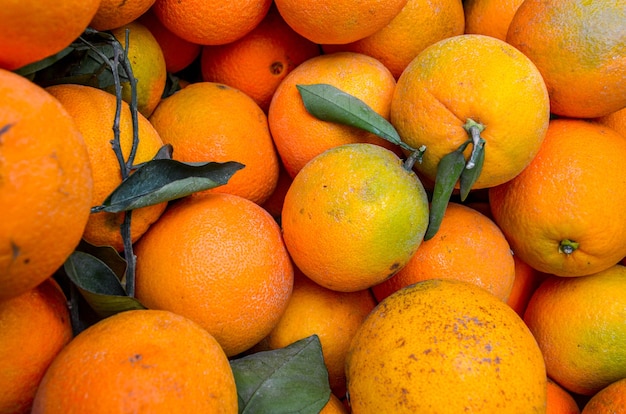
219	260
115	13
473	77
579	325
209	121
45	185
563	214
139	361
445	346
93	111
560	401
579	46
298	135
489	17
609	400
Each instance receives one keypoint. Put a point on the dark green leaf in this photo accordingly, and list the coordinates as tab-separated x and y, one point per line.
293	379
106	254
470	175
161	180
42	64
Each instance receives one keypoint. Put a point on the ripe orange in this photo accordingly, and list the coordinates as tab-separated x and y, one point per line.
563	214
526	281
139	361
211	23
459	251
259	61
45	185
473	77
220	261
609	400
579	325
338	21
209	121
396	44
115	13
334	406
615	120
560	401
298	135
32	30
585	78
274	203
445	345
93	111
35	327
353	217
489	17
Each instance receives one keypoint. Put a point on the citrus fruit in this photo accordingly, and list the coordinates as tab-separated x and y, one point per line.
560	401
274	203
334	406
112	14
609	400
615	120
526	281
445	345
489	17
478	78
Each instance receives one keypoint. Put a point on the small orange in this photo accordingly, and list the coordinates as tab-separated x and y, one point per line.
139	361
560	401
274	203
115	13
489	17
615	120
334	406
609	400
526	281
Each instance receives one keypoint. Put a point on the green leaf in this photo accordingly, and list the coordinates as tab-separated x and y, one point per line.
160	180
293	379
470	175
106	254
42	64
98	284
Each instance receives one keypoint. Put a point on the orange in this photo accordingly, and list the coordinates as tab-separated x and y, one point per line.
211	23
45	185
115	13
209	121
526	281
479	78
445	345
298	135
333	316
334	406
609	400
274	203
340	21
220	261
560	401
353	217
459	251
93	111
35	327
139	361
32	30
489	17
259	61
615	120
396	44
563	214
579	325
586	78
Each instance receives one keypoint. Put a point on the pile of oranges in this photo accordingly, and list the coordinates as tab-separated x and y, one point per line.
488	276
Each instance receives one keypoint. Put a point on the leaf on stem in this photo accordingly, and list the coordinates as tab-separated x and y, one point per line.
470	175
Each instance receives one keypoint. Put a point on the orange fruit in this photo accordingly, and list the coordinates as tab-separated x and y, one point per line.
139	361
458	251
586	78
338	213
334	406
479	78
114	13
562	215
298	135
259	61
560	401
32	30
526	281
209	121
274	203
489	17
615	120
93	111
211	23
35	327
339	21
609	400
220	261
579	325
398	43
45	185
333	316
445	343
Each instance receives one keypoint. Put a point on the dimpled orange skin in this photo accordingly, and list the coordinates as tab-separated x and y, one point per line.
609	400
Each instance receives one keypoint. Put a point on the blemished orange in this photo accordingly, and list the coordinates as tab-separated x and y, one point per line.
489	17
211	23
93	112
563	214
579	325
445	345
615	120
112	14
46	185
459	251
341	21
609	400
35	327
586	78
259	61
139	361
32	30
334	406
560	401
479	78
333	316
225	256
209	121
396	44
354	216
300	136
526	281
